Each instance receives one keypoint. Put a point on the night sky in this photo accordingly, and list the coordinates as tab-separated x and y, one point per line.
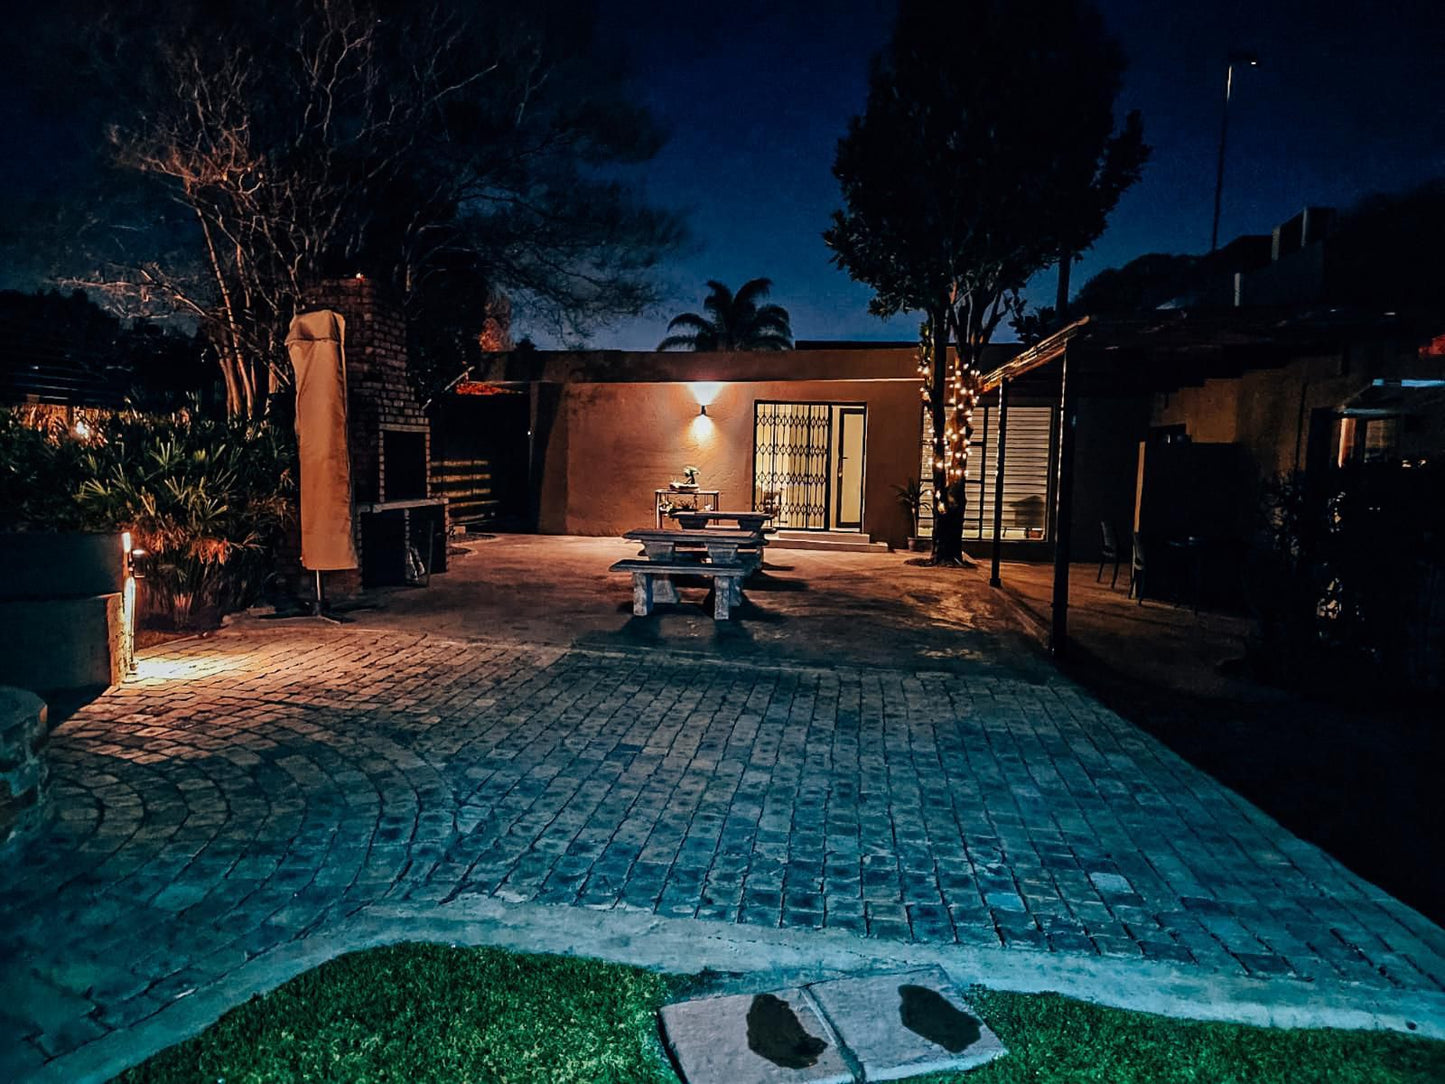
1350	98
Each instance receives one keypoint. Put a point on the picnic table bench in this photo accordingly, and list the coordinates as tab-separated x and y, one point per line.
724	556
696	519
652	582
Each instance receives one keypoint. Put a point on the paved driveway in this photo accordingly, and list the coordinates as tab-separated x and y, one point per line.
248	790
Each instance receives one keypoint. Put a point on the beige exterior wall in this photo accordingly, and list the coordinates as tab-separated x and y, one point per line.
611	444
1267	411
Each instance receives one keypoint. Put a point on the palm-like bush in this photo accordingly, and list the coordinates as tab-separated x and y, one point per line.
733	322
207	499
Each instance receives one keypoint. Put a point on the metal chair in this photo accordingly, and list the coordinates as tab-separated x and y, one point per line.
1136	570
1108	551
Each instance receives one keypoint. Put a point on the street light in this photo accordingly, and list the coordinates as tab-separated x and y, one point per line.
1252	61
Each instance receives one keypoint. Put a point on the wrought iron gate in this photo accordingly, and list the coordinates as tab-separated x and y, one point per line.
791	461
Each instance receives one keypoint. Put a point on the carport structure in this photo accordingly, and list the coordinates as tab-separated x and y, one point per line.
1110	375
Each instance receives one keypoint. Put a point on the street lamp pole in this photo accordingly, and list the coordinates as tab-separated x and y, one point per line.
1234	58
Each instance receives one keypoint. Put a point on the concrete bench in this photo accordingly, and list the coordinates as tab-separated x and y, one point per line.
749	557
652	582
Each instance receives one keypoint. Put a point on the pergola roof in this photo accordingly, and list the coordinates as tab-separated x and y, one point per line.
1169	349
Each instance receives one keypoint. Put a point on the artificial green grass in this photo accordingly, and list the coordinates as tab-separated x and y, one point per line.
430	1013
1054	1040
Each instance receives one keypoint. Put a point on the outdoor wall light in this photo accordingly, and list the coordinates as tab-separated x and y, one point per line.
705	392
702	410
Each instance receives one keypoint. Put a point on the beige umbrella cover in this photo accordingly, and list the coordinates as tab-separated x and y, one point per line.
316	345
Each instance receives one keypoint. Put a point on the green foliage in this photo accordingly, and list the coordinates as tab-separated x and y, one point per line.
207	499
433	1013
40	472
910	499
1343	592
733	321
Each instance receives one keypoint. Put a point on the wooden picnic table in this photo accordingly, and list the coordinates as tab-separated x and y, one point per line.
699	518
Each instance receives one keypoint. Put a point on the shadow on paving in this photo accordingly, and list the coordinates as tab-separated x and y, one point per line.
804	607
1359	780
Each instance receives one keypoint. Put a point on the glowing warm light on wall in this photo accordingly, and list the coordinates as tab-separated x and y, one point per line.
705	392
701	429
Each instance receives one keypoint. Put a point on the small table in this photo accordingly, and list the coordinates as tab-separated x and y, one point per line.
673	495
694	519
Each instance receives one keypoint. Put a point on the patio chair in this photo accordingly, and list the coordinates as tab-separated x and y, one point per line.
1108	551
1136	570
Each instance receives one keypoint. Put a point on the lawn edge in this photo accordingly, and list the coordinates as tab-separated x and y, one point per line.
686	946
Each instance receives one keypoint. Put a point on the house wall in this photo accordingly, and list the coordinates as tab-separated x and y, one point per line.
1266	411
611	444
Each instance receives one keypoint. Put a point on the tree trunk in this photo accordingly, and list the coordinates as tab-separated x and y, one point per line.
947	503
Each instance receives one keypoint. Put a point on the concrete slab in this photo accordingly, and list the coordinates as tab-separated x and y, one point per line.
906	1024
773	1038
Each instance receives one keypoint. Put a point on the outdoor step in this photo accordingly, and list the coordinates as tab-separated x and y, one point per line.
884	1027
837	541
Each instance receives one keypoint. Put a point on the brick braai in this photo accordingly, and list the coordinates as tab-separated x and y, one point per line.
384	416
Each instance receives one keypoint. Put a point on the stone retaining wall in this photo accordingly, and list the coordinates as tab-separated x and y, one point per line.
23	733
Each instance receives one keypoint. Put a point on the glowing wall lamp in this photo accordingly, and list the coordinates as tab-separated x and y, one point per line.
705	392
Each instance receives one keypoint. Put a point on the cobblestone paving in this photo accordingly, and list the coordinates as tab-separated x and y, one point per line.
247	790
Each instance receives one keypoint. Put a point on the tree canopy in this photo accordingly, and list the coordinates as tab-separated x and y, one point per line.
988	148
451	151
733	321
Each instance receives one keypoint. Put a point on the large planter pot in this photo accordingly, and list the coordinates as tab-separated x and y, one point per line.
60	564
66	611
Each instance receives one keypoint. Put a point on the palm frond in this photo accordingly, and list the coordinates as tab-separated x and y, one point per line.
752	291
690	321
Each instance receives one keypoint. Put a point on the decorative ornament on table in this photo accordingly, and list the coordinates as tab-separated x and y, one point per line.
689	482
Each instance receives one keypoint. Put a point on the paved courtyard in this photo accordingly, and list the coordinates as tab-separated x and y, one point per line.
250	790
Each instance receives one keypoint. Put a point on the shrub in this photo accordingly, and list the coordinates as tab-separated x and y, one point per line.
208	500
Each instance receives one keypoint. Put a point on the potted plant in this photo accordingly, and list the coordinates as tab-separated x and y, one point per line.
910	498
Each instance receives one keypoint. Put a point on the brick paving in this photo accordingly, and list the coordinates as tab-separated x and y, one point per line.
250	789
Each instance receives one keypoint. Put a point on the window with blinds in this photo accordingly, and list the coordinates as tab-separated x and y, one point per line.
1027	481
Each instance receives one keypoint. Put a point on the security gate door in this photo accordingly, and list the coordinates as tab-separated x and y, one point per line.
848	507
808	464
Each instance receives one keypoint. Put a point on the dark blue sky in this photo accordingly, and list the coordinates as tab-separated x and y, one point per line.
1350	98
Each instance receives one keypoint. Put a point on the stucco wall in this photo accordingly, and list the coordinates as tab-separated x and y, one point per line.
1267	411
611	444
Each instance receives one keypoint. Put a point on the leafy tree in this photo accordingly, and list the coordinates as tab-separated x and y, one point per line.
733	321
988	147
445	149
1034	327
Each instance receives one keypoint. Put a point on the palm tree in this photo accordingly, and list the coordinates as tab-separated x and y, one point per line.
734	322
